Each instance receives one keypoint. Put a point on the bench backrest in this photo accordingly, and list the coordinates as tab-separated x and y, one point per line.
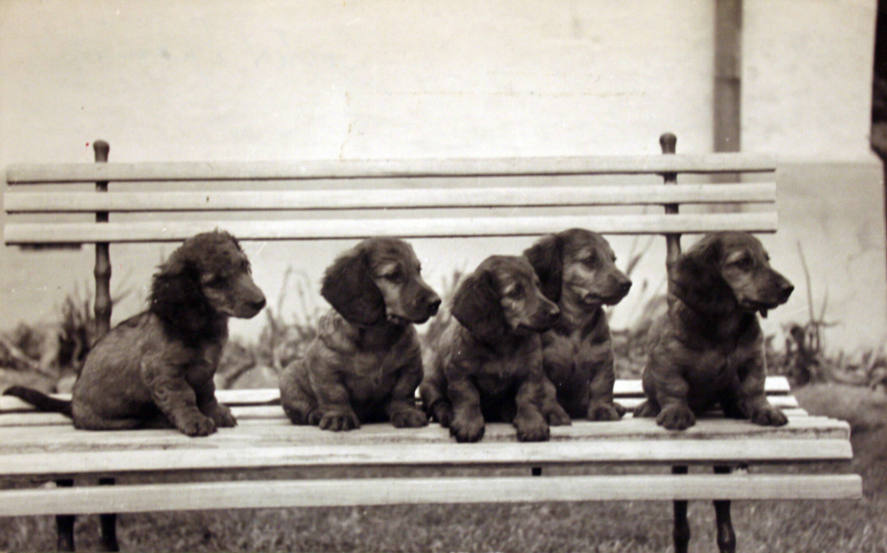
477	199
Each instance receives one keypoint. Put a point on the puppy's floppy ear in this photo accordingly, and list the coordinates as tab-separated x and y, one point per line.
476	306
547	258
177	297
350	289
696	277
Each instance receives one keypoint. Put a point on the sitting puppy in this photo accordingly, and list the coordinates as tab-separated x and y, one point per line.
577	271
708	348
365	363
156	368
487	362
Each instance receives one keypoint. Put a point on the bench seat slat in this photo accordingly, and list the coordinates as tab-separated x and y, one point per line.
388	168
437	455
402	198
622	388
387	491
246	412
315	229
279	432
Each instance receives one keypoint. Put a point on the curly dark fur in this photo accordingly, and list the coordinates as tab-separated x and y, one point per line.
365	363
578	272
487	362
156	368
708	349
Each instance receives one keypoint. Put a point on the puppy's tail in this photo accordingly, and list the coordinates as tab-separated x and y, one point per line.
40	400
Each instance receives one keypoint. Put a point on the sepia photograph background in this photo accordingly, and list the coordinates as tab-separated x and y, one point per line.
226	80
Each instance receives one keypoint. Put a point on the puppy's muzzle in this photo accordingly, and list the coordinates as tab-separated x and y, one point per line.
252	300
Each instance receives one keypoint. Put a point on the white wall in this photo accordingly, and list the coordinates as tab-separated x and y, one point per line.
236	80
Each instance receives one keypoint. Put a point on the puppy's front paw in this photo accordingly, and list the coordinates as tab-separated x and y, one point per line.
300	413
409	417
605	411
532	431
221	415
646	409
676	417
337	421
556	416
767	415
196	425
442	413
467	429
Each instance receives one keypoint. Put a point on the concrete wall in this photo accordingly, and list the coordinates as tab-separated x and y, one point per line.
237	80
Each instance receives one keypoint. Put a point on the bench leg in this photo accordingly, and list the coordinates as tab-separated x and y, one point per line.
64	524
726	535
109	524
681	532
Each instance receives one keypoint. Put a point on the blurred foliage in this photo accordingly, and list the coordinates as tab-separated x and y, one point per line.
42	354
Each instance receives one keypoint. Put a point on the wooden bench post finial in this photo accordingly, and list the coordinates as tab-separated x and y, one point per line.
668	141
102	271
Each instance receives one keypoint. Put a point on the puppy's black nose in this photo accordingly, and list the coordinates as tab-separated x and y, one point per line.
785	291
624	286
257	304
433	306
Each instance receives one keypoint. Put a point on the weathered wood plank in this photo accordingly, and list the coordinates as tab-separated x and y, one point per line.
438	227
622	388
243	413
388	168
392	491
404	198
760	450
628	387
279	432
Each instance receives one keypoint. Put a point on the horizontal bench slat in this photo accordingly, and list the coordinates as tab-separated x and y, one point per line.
774	385
395	198
393	491
328	229
111	463
279	432
388	168
28	417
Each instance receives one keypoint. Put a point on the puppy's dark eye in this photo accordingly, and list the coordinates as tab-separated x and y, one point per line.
744	263
590	260
217	281
515	291
394	276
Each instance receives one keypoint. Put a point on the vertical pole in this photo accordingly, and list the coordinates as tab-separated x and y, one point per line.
102	271
728	75
681	532
64	524
108	522
725	535
668	142
102	275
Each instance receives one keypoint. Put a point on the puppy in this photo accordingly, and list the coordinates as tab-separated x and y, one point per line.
156	368
365	363
708	348
487	363
577	271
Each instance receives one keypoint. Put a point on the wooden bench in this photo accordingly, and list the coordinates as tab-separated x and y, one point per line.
409	465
